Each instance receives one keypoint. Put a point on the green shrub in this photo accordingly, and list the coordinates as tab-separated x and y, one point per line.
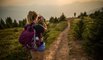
77	27
90	31
54	29
93	39
10	48
61	26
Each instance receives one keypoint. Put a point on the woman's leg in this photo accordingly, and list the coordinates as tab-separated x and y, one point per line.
32	54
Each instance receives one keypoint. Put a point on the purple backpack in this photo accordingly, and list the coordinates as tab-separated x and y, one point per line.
27	36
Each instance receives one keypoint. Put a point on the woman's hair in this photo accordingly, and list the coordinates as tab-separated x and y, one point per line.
32	15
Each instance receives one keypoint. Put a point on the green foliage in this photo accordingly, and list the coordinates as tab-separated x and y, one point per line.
10	48
77	27
2	24
9	22
53	31
91	29
57	20
92	36
94	39
84	14
61	26
52	35
62	17
22	23
53	20
74	14
15	24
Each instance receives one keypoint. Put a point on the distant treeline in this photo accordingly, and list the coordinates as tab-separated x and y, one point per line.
9	23
59	19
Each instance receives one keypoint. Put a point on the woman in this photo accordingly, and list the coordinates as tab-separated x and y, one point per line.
33	19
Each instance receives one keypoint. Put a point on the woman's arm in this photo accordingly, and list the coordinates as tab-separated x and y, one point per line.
44	25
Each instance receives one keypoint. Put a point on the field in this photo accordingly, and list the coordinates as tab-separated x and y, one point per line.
9	45
10	48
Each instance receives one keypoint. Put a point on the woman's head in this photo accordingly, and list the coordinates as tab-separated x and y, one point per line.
32	17
41	19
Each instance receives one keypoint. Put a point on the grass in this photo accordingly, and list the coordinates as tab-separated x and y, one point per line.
10	48
53	32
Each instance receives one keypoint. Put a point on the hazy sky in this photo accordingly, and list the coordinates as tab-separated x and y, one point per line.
38	2
18	9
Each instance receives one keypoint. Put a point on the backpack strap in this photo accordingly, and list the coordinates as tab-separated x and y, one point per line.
34	39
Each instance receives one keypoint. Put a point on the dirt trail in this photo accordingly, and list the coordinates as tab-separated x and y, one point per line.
59	48
65	48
